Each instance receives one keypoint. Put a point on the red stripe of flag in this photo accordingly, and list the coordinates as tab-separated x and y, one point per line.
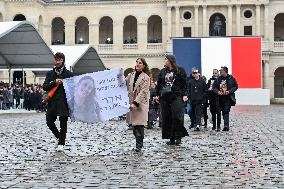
246	62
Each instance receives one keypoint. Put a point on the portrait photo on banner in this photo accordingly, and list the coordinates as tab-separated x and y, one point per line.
97	97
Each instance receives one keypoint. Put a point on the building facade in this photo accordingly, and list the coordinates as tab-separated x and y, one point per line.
123	30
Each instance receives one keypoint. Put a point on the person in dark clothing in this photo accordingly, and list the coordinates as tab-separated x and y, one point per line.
58	105
153	106
190	113
17	96
205	105
37	100
214	101
29	99
172	94
197	93
225	87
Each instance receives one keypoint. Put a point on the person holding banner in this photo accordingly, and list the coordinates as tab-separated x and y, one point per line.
172	94
138	84
57	105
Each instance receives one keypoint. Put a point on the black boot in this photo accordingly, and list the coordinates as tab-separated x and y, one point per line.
171	142
139	143
226	128
178	141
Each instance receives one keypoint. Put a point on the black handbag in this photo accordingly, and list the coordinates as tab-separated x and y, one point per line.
166	90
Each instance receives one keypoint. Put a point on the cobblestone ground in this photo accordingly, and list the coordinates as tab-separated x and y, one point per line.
250	155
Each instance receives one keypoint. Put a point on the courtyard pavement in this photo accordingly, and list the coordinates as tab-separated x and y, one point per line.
250	155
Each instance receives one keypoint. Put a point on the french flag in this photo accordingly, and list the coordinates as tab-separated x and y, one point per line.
242	55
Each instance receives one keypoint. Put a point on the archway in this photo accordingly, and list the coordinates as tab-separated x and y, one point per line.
130	30
82	30
106	30
217	25
58	31
127	71
18	77
155	29
279	83
279	27
19	17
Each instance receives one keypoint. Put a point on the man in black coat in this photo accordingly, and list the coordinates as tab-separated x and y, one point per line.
197	92
214	101
225	88
58	104
190	113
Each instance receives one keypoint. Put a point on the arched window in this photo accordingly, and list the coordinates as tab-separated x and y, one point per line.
217	26
279	27
82	30
155	29
106	30
19	17
130	30
58	31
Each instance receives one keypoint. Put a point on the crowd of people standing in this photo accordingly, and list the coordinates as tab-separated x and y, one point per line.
29	97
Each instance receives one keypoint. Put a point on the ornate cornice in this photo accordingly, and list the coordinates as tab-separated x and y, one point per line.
105	2
131	55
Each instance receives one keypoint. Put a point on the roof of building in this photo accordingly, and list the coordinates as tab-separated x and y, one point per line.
21	46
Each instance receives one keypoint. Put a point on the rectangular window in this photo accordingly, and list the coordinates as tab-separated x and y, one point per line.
187	32
248	30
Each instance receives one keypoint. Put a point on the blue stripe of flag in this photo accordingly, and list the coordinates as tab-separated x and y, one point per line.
188	53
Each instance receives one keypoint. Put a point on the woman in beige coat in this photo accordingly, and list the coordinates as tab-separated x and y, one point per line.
138	84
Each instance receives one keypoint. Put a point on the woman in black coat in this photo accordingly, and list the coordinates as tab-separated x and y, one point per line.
172	94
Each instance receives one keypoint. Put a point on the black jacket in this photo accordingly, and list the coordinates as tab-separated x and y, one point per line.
179	87
232	86
197	90
58	105
211	95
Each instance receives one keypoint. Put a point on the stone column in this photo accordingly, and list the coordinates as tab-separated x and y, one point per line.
69	34
46	33
142	35
94	33
196	24
205	26
266	22
118	33
266	74
169	24
230	20
177	21
257	20
164	32
238	17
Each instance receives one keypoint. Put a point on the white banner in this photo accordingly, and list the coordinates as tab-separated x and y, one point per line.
97	97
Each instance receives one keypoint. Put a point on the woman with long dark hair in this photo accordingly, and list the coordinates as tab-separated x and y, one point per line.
138	84
85	105
172	94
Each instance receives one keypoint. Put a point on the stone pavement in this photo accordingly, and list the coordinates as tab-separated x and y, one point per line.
250	155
